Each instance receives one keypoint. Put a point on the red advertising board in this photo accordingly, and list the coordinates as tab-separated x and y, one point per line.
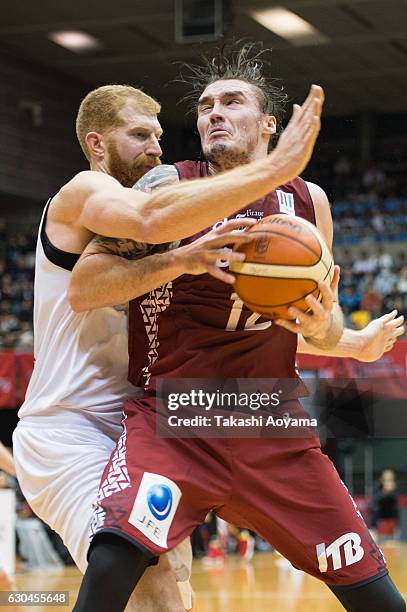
8	379
389	372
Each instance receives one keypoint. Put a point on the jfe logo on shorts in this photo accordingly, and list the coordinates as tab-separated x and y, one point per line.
155	506
352	551
159	499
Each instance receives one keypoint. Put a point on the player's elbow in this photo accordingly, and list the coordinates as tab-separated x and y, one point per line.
156	228
76	298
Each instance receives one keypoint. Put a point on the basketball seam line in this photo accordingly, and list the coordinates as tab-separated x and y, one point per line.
294	240
247	302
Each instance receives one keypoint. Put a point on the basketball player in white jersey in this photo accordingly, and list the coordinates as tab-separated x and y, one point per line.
70	420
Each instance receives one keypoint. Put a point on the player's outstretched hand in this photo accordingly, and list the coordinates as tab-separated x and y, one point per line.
295	145
380	335
317	322
204	255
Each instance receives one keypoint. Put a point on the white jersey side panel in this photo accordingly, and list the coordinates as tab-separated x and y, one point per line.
81	359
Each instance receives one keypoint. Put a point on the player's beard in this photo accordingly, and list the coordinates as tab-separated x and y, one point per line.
224	155
128	174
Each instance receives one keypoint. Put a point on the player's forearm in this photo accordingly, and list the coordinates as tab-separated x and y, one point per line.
177	211
101	280
184	209
350	345
333	334
117	214
6	461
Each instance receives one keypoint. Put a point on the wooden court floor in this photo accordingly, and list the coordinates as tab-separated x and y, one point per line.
267	583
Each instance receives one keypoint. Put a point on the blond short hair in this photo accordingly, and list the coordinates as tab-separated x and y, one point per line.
99	110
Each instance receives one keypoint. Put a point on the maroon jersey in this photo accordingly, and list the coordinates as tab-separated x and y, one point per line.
197	326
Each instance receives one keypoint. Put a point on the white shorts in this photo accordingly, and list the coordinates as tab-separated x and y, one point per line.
59	468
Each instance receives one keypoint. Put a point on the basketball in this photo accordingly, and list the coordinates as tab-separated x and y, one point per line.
284	263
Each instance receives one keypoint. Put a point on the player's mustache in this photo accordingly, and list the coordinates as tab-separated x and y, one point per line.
148	160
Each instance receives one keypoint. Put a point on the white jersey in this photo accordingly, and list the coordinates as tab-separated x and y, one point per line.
81	359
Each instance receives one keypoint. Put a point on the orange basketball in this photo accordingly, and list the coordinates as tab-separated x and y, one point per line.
284	263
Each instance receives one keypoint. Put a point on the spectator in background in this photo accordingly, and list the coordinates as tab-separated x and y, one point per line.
345	259
8	323
378	221
374	178
402	281
342	167
395	301
385	504
401	261
372	300
347	278
364	264
383	259
400	303
350	297
25	340
342	173
385	281
17	256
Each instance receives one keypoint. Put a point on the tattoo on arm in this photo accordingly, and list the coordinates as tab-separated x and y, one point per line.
129	249
158	177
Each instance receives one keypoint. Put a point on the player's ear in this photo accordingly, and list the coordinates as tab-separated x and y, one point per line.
269	124
96	145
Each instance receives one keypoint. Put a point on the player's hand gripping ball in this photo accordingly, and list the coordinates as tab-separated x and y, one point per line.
284	263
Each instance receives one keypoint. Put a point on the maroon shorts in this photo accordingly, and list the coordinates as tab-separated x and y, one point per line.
155	491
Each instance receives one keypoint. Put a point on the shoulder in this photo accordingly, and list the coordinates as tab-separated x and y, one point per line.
158	177
322	210
318	195
68	202
88	180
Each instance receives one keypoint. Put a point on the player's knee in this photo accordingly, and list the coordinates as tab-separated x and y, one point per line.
118	565
110	553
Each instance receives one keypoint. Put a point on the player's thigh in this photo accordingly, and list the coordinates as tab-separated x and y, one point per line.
156	490
299	504
59	473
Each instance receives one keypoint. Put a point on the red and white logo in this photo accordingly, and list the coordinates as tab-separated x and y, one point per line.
347	548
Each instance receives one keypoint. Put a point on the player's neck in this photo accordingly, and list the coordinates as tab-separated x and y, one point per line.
99	166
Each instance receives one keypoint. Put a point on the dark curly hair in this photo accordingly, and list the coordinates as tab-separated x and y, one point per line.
245	62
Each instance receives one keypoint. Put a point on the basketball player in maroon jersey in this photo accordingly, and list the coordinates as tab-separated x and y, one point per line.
284	489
